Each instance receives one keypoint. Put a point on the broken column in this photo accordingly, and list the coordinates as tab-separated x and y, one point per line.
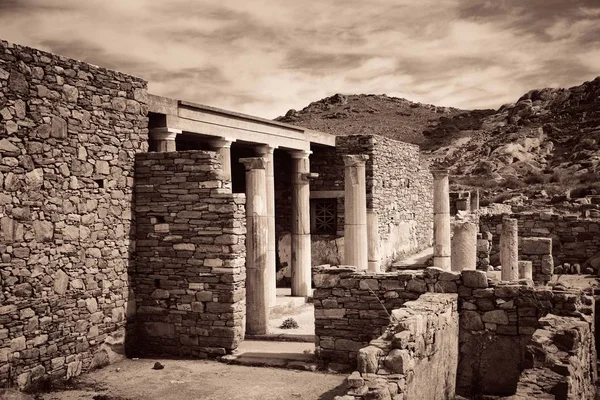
509	249
300	249
257	307
223	148
441	220
355	218
266	152
164	139
464	246
374	260
475	200
526	270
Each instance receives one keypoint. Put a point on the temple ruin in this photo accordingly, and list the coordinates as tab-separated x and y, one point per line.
133	224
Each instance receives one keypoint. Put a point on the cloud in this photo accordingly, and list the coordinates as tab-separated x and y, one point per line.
266	56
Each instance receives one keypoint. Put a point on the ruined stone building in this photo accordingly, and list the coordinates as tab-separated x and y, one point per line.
137	224
125	212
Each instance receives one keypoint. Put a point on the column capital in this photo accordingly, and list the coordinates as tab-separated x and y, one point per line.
439	173
353	160
222	142
254	163
265	149
299	154
164	133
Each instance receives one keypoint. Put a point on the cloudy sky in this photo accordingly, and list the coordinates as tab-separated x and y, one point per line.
264	57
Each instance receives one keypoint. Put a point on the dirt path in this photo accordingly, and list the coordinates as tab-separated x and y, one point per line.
191	380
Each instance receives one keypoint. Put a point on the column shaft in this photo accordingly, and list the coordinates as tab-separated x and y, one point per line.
464	246
223	149
441	220
475	200
509	249
374	259
267	153
301	250
257	303
355	217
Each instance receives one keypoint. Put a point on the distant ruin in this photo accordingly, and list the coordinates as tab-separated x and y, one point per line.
134	224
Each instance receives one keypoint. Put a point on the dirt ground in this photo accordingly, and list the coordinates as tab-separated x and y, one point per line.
198	379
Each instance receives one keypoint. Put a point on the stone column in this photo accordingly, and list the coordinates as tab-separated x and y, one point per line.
441	220
464	246
374	259
355	217
266	152
223	148
526	270
509	249
475	200
301	250
257	300
164	139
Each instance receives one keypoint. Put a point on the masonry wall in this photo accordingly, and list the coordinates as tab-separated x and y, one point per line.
402	198
416	357
69	132
497	320
574	239
190	256
557	361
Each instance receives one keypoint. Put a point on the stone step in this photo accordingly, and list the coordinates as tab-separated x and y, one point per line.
290	355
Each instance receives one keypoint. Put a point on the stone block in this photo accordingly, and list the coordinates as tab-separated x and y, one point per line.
474	279
535	246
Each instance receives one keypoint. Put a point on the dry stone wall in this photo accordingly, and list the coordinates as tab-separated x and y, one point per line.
190	256
574	240
497	319
416	357
557	361
69	132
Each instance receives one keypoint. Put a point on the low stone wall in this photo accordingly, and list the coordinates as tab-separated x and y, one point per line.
558	361
496	319
574	239
190	256
538	250
417	356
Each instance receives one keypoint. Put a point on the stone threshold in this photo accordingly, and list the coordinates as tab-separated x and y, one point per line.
289	355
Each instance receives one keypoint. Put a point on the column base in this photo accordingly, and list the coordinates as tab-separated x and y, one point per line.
442	262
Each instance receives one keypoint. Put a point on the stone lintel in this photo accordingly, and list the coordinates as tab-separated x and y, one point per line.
254	163
353	160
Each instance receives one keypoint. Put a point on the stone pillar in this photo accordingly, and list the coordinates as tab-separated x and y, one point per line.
266	152
301	251
223	148
441	220
509	249
526	270
374	260
164	139
355	217
475	200
257	300
464	246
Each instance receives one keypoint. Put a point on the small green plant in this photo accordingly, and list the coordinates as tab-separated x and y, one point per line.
289	323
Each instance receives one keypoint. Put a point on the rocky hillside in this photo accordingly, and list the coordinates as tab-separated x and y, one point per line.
396	118
546	142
